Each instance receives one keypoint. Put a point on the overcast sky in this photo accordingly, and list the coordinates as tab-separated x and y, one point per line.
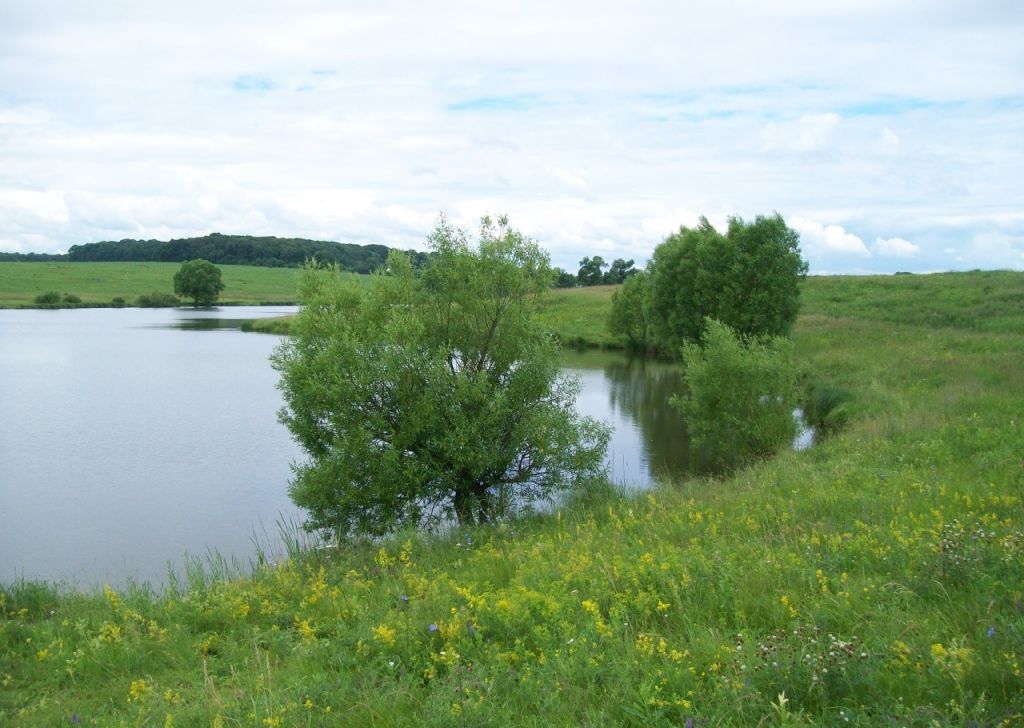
889	134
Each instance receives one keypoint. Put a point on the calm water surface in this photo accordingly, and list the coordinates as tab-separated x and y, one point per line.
130	437
125	443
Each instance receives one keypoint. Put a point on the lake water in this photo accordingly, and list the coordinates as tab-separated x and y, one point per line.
130	437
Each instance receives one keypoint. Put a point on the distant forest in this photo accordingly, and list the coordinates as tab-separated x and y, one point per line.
269	252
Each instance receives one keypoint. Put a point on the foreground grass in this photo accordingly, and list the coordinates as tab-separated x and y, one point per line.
877	579
98	283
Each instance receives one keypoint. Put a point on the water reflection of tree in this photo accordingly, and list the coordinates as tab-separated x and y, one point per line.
642	388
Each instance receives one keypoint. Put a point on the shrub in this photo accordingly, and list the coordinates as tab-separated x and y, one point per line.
631	315
827	408
50	298
157	300
71	299
741	393
118	302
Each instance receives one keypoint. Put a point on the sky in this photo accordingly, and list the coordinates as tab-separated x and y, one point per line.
888	133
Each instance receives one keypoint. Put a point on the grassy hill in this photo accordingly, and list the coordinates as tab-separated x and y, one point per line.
98	283
874	580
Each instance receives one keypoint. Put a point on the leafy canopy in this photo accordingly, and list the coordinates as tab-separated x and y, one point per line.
740	396
199	280
747	278
426	397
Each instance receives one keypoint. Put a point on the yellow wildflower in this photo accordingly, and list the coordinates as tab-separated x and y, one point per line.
305	629
384	634
110	632
138	690
383	559
112	598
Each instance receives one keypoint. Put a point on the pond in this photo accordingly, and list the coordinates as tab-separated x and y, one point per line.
130	437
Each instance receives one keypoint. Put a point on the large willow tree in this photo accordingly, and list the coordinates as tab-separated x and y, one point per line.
433	395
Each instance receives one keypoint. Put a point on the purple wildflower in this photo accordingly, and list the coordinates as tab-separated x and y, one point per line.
433	627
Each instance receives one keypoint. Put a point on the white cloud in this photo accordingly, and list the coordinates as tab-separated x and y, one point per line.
888	142
658	227
819	240
994	249
895	248
28	207
806	134
327	120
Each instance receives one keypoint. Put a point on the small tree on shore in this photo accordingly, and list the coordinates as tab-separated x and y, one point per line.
740	397
199	280
631	316
420	398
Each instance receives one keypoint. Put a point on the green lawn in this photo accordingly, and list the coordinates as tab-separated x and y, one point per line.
98	283
874	580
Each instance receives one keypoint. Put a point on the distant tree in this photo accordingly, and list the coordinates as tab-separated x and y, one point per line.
199	280
619	271
564	279
748	279
590	272
432	396
630	316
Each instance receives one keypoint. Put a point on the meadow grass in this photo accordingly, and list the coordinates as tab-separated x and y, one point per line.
99	283
579	316
875	579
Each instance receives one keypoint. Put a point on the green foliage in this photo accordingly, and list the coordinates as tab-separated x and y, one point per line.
748	279
630	314
199	280
236	250
564	279
53	299
591	272
50	298
430	397
118	302
827	408
156	299
740	397
619	271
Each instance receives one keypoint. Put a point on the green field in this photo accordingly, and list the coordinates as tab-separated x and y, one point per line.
97	283
874	580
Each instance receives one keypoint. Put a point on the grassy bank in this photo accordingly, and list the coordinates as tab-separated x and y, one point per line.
877	579
98	283
577	315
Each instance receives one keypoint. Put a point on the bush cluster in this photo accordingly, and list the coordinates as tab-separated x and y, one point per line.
156	299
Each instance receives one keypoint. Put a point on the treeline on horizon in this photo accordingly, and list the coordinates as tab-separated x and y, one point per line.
269	252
